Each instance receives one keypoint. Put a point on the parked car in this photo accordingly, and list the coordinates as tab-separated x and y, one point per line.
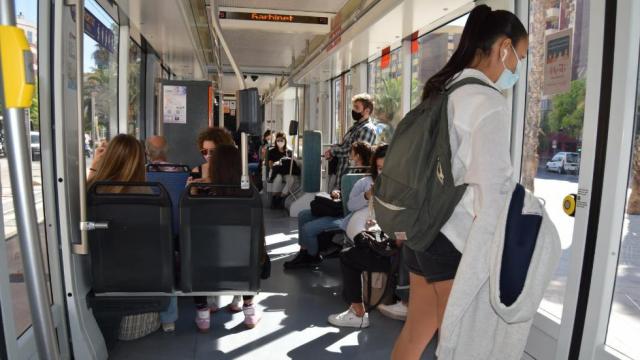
564	162
35	145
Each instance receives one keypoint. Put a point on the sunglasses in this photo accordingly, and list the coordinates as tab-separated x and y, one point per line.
206	152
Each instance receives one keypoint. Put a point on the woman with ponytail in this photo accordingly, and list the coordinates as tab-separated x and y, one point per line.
492	48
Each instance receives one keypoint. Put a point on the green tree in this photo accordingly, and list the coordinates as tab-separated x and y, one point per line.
34	112
568	110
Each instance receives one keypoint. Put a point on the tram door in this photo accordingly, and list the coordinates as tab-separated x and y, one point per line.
555	146
31	165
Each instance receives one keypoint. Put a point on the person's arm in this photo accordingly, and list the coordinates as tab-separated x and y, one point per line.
97	159
489	171
357	198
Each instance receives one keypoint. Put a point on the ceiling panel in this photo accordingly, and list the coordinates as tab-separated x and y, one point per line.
167	30
253	48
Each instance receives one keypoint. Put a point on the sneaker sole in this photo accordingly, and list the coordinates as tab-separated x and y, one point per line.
251	326
392	315
363	326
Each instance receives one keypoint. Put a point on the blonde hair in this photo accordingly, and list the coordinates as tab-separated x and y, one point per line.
122	161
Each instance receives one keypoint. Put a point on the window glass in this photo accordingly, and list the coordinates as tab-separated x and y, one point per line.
100	78
385	85
624	322
134	112
27	20
337	105
555	102
431	54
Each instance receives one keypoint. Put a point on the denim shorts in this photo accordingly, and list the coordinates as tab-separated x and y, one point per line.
438	263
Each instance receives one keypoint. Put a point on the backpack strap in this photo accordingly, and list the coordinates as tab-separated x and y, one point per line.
467	81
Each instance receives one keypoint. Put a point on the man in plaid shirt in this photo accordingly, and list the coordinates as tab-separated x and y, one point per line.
362	130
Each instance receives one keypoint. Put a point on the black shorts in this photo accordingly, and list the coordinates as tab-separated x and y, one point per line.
438	263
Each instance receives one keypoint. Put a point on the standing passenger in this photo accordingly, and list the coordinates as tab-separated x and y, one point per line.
491	49
362	130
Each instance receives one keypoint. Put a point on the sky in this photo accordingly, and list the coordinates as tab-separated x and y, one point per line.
29	9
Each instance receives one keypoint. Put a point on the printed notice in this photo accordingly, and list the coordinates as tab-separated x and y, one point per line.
557	64
582	200
174	107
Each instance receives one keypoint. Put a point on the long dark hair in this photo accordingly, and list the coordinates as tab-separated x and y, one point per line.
225	165
379	153
483	28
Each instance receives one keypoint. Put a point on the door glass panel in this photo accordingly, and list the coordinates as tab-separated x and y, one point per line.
556	84
624	322
27	20
100	78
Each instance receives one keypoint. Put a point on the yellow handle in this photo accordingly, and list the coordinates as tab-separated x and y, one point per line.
17	67
569	205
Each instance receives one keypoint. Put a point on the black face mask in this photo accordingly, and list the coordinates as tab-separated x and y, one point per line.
356	115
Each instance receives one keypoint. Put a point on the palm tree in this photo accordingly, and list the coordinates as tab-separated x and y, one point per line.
535	79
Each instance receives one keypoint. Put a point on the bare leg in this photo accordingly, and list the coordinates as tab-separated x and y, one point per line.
422	320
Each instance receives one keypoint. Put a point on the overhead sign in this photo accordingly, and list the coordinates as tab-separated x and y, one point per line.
97	30
557	63
273	17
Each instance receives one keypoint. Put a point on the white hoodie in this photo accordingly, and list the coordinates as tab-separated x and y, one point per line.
476	324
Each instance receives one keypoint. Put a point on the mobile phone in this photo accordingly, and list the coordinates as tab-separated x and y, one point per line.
195	175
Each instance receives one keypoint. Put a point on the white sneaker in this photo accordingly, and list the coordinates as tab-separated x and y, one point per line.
349	319
397	311
235	305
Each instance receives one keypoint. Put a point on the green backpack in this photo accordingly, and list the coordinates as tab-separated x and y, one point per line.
415	194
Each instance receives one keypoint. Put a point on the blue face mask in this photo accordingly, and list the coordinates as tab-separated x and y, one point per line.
507	78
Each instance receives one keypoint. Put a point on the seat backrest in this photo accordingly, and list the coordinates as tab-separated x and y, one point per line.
312	161
221	238
135	253
174	179
346	185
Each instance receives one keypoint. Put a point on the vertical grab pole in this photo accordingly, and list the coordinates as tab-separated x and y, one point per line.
82	248
19	85
245	184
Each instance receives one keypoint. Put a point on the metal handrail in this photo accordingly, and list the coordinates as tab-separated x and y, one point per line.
83	247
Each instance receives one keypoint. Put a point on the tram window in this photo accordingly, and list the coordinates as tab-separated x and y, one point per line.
337	105
553	122
385	85
100	78
27	19
135	89
624	321
433	51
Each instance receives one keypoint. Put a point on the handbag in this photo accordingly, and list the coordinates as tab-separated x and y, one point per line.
323	205
374	237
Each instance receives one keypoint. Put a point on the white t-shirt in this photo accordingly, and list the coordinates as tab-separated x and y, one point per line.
480	136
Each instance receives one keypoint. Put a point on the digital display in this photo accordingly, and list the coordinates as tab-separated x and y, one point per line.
269	17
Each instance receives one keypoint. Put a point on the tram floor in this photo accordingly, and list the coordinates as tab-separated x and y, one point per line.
295	307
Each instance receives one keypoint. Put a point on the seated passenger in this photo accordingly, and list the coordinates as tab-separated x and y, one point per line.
207	141
156	149
281	180
225	168
360	257
123	160
310	226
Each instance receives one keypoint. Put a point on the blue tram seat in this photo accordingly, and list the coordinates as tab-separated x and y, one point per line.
346	185
221	238
174	179
135	253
